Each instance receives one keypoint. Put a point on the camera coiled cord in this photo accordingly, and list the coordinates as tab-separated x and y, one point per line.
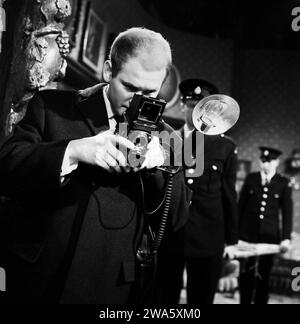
166	203
165	213
147	250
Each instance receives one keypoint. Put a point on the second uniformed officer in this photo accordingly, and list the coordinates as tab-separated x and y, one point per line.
212	215
264	196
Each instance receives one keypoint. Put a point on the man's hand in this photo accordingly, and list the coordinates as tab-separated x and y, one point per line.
229	252
102	150
155	154
285	246
229	279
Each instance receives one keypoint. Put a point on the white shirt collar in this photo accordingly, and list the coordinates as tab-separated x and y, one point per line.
110	115
107	103
267	178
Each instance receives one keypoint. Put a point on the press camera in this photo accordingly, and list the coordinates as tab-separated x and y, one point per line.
141	119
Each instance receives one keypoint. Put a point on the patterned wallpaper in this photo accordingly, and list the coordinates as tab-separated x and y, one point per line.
267	86
265	83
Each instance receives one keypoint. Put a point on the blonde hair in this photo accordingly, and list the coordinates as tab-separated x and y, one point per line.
134	40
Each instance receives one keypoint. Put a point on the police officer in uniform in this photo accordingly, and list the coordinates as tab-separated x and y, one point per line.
212	215
264	196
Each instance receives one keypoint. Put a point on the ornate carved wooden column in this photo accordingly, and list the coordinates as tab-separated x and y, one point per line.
33	56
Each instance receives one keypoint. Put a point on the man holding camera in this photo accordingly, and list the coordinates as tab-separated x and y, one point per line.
75	235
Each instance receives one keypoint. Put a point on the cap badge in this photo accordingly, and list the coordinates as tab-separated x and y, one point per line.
197	90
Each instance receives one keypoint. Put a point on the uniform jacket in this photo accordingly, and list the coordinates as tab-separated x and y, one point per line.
103	268
260	208
212	219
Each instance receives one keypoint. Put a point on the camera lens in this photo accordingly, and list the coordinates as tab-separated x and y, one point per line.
140	139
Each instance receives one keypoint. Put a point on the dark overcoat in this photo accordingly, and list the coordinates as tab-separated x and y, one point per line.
102	268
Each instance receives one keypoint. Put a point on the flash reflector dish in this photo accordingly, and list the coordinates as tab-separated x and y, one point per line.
215	114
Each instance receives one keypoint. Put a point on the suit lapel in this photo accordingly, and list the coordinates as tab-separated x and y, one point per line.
92	109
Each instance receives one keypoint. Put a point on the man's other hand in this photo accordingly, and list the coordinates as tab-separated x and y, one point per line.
155	156
106	150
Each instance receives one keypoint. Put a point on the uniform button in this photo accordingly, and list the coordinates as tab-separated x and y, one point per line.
265	196
261	216
266	189
262	209
264	203
191	171
190	181
215	167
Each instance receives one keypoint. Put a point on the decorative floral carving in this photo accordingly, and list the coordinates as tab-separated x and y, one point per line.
48	9
62	70
63	43
28	27
64	9
45	55
55	10
37	76
46	46
38	50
